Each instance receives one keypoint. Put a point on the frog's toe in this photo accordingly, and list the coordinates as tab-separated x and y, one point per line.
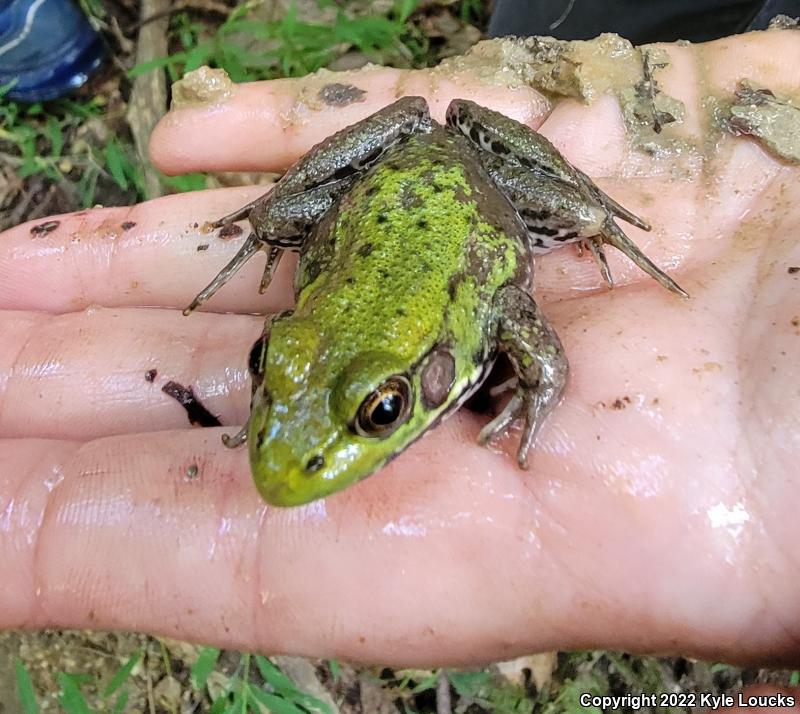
249	248
507	386
502	421
239	438
595	247
524	405
613	235
274	255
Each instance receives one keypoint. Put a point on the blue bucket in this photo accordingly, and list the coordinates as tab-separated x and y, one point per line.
47	48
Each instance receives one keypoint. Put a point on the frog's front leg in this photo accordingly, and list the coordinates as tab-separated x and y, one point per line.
256	366
282	218
538	360
557	202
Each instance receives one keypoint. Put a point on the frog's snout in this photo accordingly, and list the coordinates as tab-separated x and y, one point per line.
315	463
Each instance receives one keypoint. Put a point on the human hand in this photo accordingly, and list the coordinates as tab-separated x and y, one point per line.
659	511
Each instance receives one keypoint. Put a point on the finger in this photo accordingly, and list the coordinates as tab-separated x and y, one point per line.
266	126
666	173
100	372
164	533
158	253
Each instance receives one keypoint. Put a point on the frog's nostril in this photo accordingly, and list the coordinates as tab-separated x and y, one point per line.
315	463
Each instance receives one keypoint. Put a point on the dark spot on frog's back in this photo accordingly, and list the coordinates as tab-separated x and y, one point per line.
43	228
366	249
452	285
337	94
127	225
437	376
409	198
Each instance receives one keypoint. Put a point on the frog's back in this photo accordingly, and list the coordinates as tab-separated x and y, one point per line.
417	248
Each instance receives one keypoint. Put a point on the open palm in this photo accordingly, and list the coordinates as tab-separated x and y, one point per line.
660	509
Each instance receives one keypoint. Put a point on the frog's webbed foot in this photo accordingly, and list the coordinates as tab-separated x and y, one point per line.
538	359
613	235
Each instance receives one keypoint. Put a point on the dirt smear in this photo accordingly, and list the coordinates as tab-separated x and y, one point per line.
771	118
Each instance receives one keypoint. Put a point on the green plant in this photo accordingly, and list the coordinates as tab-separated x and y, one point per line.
250	49
71	696
52	141
242	693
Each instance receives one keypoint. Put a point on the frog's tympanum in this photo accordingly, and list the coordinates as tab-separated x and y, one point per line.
416	244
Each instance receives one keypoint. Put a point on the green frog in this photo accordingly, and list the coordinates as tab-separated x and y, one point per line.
416	242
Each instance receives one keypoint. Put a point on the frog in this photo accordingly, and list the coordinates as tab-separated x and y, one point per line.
416	242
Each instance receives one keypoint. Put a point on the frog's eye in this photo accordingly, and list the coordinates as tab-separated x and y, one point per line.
385	409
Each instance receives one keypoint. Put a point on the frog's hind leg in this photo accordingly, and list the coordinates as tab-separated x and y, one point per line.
539	362
498	134
557	202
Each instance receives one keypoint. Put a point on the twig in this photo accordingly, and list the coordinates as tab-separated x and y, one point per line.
148	100
650	89
202	5
444	704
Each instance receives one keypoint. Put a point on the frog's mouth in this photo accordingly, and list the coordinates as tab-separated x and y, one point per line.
290	470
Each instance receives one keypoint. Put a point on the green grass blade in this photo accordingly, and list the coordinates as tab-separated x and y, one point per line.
122	674
27	697
275	704
115	163
286	688
70	697
120	702
204	666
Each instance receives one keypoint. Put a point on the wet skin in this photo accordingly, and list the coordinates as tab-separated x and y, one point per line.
416	243
659	512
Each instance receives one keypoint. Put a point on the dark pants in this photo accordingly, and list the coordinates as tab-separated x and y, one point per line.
640	21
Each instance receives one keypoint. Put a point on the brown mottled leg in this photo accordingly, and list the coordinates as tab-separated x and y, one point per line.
538	359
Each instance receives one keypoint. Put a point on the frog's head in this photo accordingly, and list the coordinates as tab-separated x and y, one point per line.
320	422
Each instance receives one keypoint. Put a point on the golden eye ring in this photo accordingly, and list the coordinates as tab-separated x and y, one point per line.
385	409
